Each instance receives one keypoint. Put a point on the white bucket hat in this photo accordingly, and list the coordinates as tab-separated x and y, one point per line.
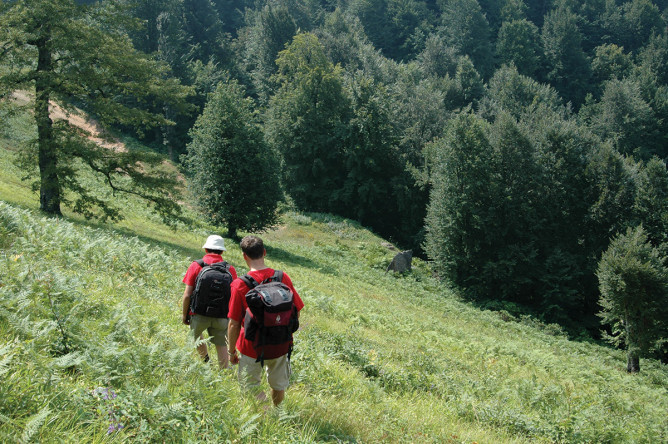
214	242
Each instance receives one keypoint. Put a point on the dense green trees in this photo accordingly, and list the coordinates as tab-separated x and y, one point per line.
306	124
271	30
634	294
456	222
233	173
465	28
528	133
519	43
60	51
568	69
497	225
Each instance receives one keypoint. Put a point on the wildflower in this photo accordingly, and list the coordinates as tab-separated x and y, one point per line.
114	428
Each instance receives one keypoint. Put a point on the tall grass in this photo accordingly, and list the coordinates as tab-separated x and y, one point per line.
92	349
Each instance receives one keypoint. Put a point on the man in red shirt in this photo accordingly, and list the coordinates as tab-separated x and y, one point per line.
250	371
216	327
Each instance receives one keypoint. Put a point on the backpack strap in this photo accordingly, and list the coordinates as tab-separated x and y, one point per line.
201	263
278	276
249	281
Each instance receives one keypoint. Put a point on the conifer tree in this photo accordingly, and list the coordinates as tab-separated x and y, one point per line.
61	51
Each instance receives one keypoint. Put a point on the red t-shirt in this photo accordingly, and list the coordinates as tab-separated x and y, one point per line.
238	308
191	275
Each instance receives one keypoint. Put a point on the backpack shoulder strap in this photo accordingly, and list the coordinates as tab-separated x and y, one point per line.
278	276
201	263
249	281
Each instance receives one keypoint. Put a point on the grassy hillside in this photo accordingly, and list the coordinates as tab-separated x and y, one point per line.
91	339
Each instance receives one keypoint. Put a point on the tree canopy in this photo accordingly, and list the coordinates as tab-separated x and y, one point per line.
74	55
506	141
234	175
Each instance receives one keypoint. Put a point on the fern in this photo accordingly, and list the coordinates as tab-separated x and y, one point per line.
6	356
34	423
249	427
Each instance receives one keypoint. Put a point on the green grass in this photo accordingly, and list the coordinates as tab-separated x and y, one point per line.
380	357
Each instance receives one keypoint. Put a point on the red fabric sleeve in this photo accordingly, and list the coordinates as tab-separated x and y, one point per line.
191	275
296	298
238	300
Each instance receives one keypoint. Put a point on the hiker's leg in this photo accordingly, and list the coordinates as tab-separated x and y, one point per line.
202	349
250	374
218	333
277	396
198	324
278	376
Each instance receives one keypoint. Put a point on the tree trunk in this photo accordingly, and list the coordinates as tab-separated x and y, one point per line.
49	193
632	362
632	349
232	232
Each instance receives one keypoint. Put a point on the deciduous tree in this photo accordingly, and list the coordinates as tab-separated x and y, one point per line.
307	123
234	174
464	27
568	69
519	43
634	295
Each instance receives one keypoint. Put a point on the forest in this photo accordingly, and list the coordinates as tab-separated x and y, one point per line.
520	147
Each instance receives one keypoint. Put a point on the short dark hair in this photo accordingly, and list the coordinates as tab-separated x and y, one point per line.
252	246
213	251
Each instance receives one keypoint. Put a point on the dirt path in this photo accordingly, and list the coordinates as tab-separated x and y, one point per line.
78	120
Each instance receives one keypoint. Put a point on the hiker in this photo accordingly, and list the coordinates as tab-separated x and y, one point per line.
270	346
206	298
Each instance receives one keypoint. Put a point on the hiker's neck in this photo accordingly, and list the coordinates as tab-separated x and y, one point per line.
256	264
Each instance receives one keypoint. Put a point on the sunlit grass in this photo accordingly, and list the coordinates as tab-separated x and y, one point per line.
380	357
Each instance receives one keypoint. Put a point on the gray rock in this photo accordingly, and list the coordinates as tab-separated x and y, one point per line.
401	262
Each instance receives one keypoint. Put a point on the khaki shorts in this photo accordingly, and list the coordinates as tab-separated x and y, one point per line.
278	372
216	327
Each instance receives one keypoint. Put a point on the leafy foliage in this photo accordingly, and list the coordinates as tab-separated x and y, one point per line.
567	66
358	101
306	124
71	53
634	294
519	43
234	174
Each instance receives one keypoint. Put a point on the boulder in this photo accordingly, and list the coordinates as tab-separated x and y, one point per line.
401	262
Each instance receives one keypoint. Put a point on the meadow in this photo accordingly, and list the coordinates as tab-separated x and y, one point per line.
92	348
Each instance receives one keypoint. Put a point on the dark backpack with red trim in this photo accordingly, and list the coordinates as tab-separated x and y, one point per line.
271	316
211	296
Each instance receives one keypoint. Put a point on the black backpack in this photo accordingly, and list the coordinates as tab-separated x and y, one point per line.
211	296
271	317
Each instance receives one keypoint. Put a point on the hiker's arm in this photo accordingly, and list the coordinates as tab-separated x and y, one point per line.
186	304
233	330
